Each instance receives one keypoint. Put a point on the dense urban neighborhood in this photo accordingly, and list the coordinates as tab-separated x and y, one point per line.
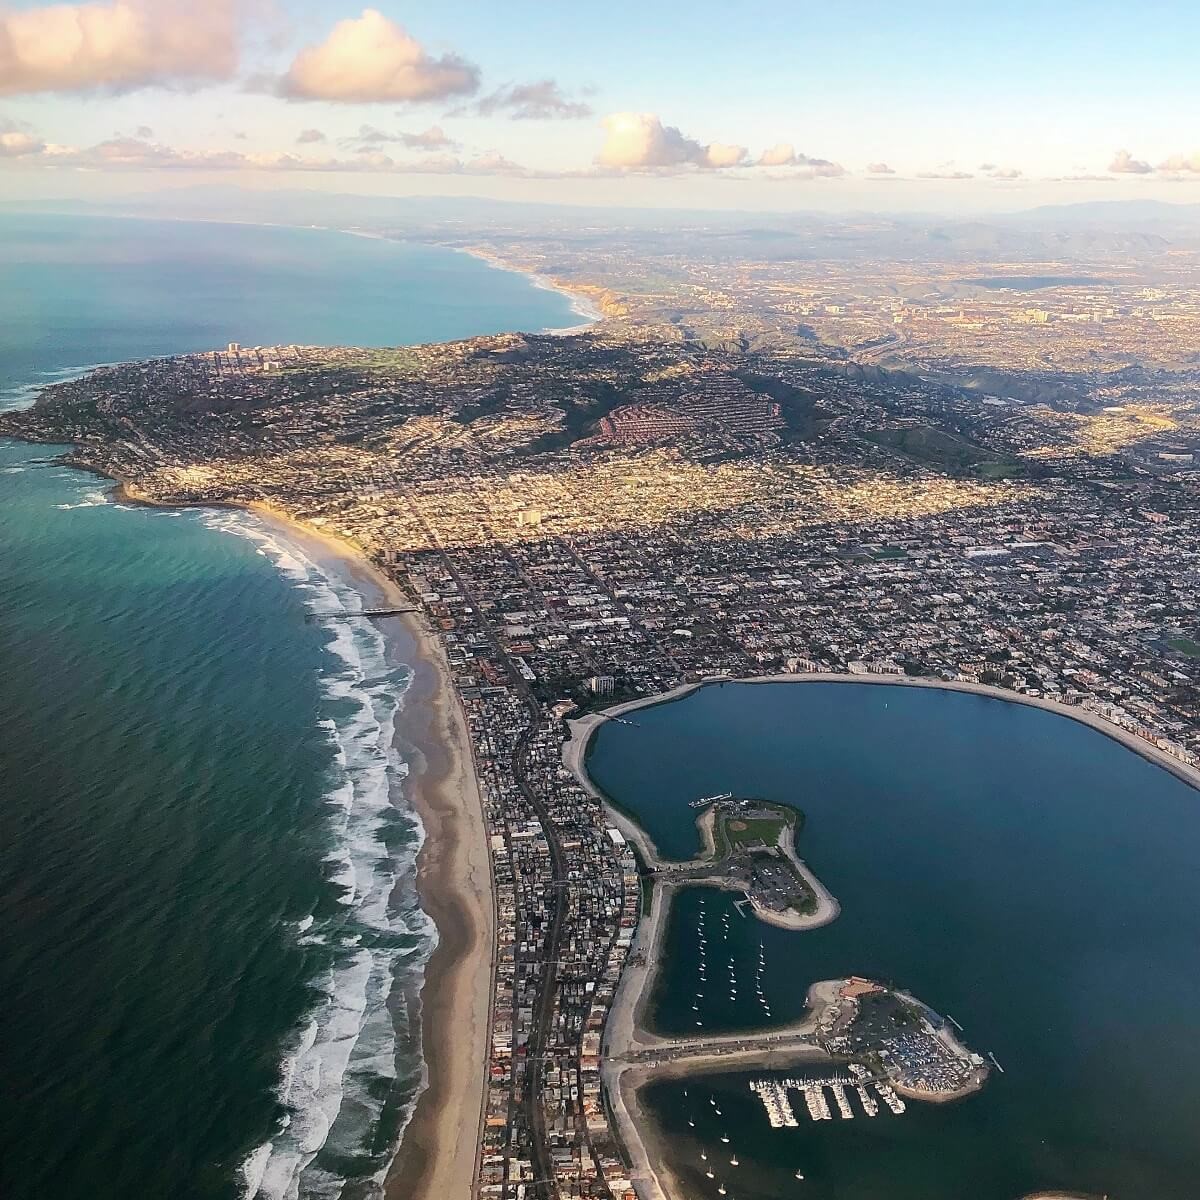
594	517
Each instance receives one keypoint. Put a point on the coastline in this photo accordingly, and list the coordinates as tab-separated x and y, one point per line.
584	728
581	304
432	1160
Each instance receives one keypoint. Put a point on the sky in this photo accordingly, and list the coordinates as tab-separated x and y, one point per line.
764	104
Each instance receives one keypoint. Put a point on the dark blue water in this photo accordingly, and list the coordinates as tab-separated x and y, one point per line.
1018	870
205	882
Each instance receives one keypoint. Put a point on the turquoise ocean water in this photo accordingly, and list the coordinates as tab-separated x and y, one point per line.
197	841
1014	869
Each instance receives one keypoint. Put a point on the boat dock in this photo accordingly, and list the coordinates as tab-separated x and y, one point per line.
774	1094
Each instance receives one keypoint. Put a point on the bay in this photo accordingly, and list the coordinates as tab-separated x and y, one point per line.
1026	874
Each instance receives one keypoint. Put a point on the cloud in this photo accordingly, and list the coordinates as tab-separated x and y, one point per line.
992	171
371	58
721	154
540	101
1184	163
131	153
641	142
1124	163
433	138
309	137
945	173
118	46
15	143
879	168
784	154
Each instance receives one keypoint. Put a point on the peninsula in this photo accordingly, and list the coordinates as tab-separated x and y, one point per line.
608	516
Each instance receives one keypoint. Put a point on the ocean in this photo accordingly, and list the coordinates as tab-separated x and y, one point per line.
206	861
1014	869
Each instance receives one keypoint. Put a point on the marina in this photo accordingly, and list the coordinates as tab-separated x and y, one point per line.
777	1102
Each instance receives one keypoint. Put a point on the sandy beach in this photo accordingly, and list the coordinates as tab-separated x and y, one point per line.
437	1156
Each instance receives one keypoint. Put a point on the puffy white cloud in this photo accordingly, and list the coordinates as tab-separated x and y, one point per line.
540	101
721	154
945	173
641	142
879	168
371	58
117	46
994	171
1124	163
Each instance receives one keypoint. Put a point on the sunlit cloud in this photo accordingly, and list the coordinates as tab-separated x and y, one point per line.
879	168
370	58
1124	163
118	46
15	143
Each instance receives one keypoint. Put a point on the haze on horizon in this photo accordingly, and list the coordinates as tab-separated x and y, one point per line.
789	106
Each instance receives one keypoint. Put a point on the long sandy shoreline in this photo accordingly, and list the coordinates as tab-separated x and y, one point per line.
435	1159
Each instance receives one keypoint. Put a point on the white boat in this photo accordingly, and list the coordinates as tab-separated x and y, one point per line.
724	1138
733	1162
799	1175
709	1174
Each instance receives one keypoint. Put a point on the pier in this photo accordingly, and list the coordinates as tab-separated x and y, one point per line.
361	612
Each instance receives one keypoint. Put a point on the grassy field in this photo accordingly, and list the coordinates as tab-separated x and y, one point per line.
765	829
1185	645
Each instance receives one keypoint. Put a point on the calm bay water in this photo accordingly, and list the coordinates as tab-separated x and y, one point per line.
1015	869
197	836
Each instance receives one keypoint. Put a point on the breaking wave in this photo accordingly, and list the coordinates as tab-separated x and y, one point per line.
351	1075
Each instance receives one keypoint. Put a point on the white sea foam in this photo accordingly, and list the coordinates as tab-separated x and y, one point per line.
24	394
329	1080
89	500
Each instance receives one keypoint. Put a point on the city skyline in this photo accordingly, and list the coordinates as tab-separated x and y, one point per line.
788	108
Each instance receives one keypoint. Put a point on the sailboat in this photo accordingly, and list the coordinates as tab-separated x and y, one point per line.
733	1162
724	1138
